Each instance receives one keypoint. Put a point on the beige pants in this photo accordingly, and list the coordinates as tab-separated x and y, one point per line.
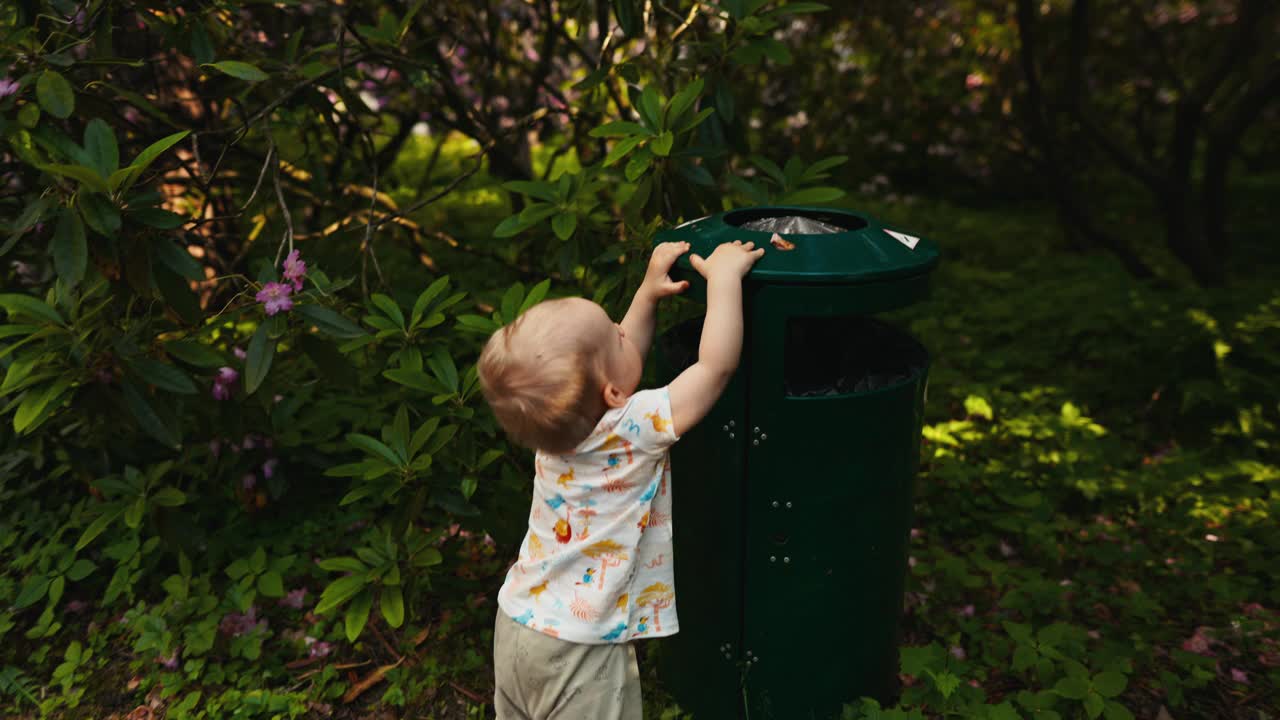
539	677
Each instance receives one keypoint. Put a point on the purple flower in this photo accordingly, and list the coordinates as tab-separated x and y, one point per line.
958	652
295	599
1240	676
8	87
221	392
275	296
170	662
227	375
237	624
239	353
294	269
319	648
269	468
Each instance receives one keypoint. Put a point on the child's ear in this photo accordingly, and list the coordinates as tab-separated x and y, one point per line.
613	397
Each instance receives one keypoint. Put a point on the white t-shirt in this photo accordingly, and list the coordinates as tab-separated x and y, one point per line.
596	564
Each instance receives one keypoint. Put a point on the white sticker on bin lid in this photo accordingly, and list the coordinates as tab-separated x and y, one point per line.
908	240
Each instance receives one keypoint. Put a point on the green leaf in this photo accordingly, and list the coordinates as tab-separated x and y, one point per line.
100	144
70	251
81	570
630	19
621	148
29	115
535	296
770	167
338	592
32	591
1115	711
96	527
195	353
258	560
1109	684
443	367
100	213
809	196
373	446
270	584
31	412
424	300
511	226
1024	657
55	95
540	190
683	100
27	220
795	8
257	364
25	305
415	379
389	308
428	558
400	434
201	46
157	218
163	376
1094	705
1074	687
125	179
468	487
343	564
358	614
650	107
169	497
238	69
619	128
818	170
638	164
85	175
330	322
661	146
392	602
774	50
977	406
564	224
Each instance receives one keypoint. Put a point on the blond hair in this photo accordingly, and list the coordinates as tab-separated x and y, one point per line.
544	380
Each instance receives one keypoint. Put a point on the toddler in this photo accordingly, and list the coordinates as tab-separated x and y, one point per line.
595	568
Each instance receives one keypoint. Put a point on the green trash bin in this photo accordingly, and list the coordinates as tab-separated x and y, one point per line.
792	504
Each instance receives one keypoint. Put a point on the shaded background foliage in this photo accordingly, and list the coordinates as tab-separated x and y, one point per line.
232	485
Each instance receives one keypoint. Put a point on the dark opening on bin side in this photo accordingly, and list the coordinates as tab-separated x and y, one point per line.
788	221
823	355
845	355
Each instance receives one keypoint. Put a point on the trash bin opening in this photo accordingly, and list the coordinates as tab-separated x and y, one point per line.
830	356
788	221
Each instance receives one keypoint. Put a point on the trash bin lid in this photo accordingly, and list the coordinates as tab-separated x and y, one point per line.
861	249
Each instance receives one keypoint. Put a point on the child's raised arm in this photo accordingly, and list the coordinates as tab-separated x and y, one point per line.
698	387
642	315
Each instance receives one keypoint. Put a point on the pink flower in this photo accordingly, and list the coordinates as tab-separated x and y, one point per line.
8	87
973	81
1211	537
269	468
275	296
221	392
1240	676
227	375
239	353
958	652
236	624
170	662
318	648
294	269
966	611
295	598
1198	643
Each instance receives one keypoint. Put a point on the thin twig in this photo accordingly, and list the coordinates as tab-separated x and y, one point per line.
284	208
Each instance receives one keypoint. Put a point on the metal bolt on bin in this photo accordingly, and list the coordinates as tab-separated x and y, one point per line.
791	539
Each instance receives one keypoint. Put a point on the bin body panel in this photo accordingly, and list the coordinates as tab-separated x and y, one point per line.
707	474
797	608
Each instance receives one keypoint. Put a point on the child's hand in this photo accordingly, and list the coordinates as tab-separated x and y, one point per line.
732	260
658	277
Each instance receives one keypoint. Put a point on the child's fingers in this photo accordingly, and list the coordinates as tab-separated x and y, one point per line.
698	263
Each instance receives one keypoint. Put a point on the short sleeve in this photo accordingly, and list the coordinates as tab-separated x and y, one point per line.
646	420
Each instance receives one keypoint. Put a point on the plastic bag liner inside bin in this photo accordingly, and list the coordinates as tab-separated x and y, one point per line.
824	355
791	225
